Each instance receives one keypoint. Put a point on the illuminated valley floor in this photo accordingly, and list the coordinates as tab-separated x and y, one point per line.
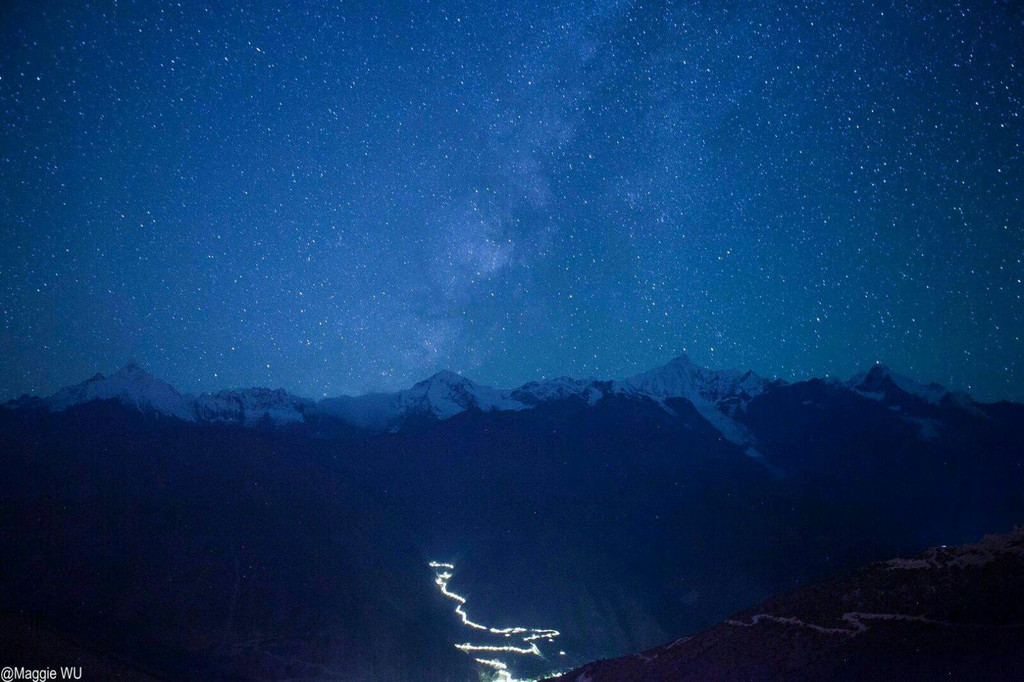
511	641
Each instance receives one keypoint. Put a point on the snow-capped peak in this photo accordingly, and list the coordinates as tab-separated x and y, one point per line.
446	394
879	380
446	376
559	388
443	383
682	377
720	396
712	392
130	385
249	406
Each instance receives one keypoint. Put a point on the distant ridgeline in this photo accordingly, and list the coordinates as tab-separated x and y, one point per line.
253	533
720	397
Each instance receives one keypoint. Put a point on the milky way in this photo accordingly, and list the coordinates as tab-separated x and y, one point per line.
335	198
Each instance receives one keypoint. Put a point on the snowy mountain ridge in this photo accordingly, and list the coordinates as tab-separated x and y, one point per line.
880	382
682	377
715	394
130	385
719	396
879	379
249	406
446	394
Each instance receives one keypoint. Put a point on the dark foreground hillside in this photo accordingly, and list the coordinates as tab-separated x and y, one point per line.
950	613
217	554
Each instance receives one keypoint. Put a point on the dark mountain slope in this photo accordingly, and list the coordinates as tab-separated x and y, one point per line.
951	613
221	551
947	473
616	518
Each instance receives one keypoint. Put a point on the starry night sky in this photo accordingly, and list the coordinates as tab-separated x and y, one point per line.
336	197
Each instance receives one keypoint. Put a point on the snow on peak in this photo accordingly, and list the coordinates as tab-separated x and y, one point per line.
879	380
249	406
135	387
560	388
446	376
446	394
712	392
131	385
684	378
882	383
718	395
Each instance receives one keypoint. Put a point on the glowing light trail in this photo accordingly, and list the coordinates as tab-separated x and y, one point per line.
443	573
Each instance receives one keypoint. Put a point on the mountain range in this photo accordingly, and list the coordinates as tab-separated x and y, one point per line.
718	395
256	534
